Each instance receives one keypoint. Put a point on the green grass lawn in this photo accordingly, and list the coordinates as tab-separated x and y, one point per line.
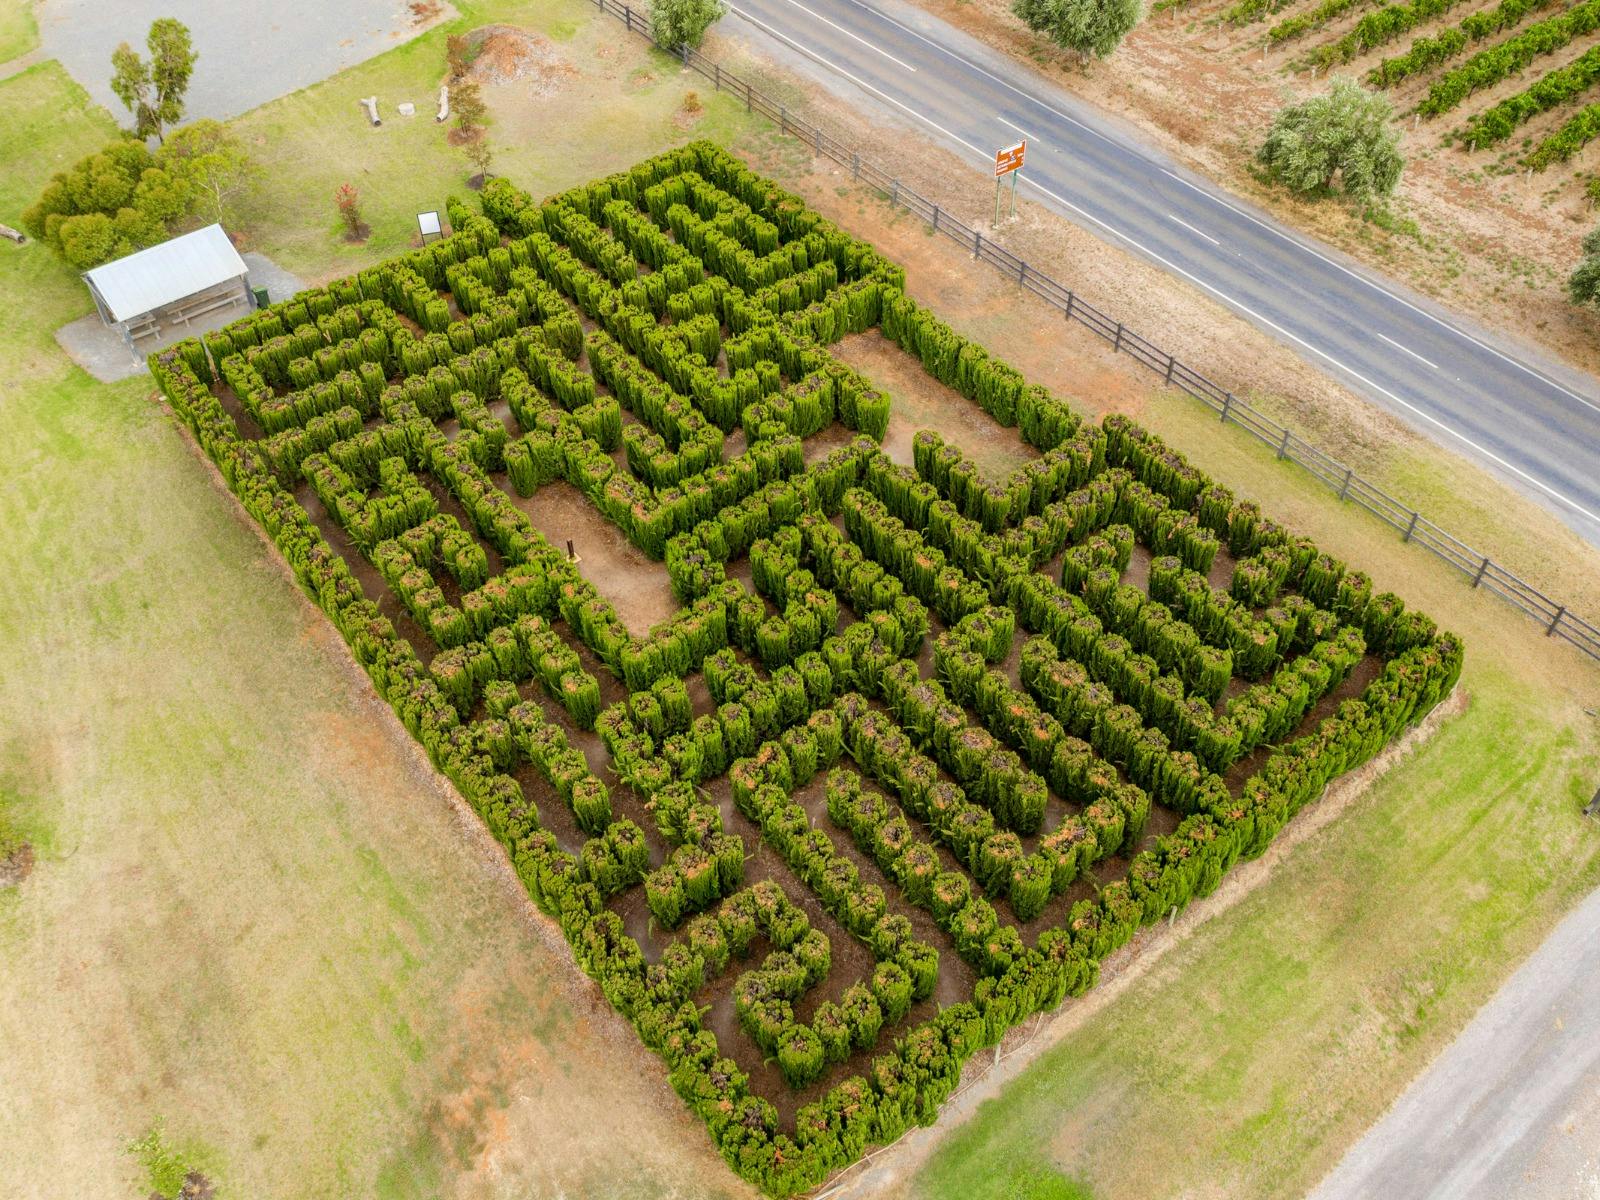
1259	1048
1262	1046
19	32
609	103
254	919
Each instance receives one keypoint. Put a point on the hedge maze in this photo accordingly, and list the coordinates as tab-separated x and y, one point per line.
920	748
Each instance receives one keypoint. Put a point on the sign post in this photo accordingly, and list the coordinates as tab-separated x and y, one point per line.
1007	162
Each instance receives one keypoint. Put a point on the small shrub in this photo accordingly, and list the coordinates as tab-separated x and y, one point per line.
348	201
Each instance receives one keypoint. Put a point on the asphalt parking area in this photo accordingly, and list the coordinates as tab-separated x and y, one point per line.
249	53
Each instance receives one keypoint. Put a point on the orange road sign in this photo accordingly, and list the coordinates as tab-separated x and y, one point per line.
1009	159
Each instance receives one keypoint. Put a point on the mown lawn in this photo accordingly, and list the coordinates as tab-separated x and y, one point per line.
606	102
254	917
1257	1050
19	32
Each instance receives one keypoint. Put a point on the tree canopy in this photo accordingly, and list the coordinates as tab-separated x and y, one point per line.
1092	28
153	90
210	161
1345	136
683	22
124	198
467	106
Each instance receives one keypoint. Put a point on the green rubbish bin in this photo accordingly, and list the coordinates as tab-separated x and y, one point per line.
261	297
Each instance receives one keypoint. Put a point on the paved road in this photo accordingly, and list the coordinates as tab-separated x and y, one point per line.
1534	422
1511	1109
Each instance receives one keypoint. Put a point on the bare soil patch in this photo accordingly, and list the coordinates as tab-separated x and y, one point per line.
195	1187
16	866
1497	245
504	55
922	402
689	112
638	587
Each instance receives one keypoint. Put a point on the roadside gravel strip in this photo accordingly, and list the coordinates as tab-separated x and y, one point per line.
1535	423
1512	1107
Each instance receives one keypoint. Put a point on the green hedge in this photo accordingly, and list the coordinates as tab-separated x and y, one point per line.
385	393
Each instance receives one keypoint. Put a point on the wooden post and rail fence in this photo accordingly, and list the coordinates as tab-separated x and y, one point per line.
1482	571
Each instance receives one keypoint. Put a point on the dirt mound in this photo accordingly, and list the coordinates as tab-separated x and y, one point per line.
195	1187
503	55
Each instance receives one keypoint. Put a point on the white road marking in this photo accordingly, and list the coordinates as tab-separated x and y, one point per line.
860	83
968	63
1196	280
1409	351
1377	287
1017	127
1354	374
1193	230
848	34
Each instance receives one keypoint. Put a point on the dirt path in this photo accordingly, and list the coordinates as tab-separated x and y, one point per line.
887	1172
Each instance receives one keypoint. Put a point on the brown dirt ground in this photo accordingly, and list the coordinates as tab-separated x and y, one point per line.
638	587
690	112
506	55
889	1170
918	401
1477	507
1498	246
15	867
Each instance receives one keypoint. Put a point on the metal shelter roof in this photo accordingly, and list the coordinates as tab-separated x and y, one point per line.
148	279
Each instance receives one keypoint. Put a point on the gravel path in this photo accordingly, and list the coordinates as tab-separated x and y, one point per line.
1512	1108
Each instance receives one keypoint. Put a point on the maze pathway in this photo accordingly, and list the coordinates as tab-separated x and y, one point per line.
918	748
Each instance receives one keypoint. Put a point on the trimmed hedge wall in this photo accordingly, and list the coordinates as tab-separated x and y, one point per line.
635	329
